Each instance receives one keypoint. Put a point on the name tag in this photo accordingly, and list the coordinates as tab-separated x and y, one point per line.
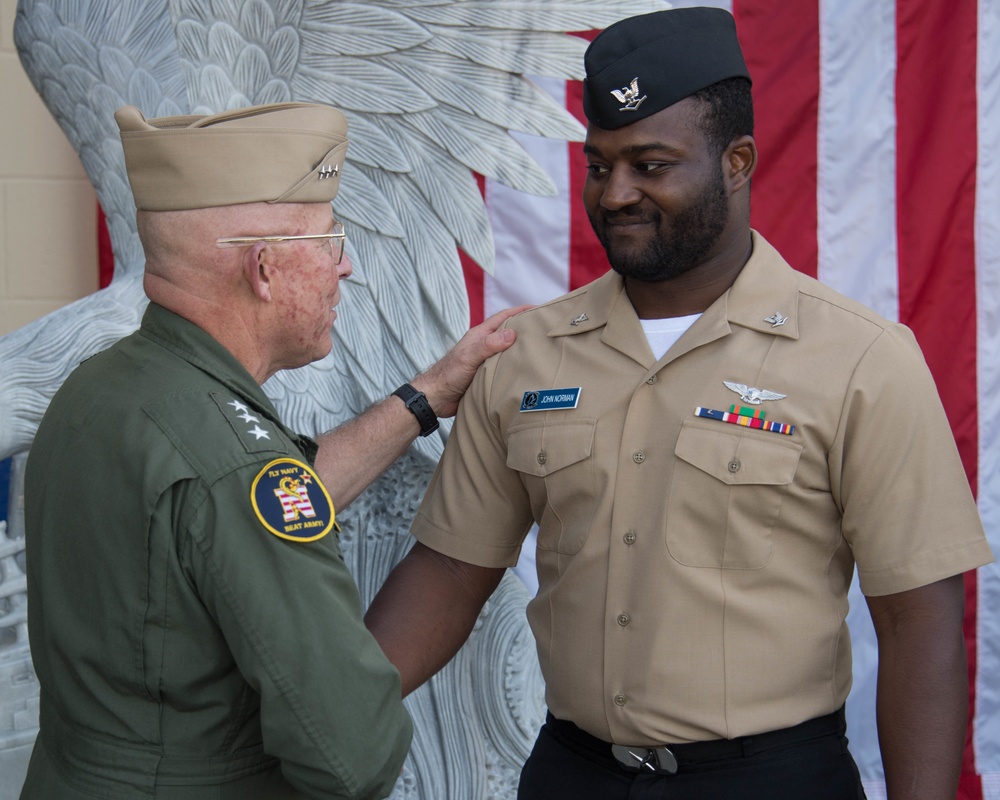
550	399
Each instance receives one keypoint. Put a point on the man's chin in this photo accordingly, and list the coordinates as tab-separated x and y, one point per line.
638	272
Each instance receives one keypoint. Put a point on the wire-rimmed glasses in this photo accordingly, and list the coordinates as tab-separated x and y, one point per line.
335	238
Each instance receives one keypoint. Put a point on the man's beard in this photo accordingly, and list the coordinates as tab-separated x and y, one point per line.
679	248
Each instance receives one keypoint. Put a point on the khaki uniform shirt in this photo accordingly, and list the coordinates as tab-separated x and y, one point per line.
192	636
693	574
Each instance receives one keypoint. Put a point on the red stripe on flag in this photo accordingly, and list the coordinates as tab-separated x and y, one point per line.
105	255
587	261
780	43
474	288
474	276
936	184
936	187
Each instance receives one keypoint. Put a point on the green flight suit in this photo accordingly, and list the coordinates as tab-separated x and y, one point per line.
187	645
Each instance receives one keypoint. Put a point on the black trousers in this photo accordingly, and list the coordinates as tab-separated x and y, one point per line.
568	764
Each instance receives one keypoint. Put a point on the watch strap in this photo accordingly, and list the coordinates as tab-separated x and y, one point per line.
416	401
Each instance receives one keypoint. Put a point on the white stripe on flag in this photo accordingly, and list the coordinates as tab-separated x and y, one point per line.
856	201
856	230
986	730
531	233
726	4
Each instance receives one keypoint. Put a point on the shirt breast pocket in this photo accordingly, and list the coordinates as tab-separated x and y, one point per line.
555	460
725	497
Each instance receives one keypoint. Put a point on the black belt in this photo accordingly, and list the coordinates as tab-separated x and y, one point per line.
669	758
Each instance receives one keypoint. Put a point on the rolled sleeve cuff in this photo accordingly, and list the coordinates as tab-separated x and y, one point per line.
479	552
934	567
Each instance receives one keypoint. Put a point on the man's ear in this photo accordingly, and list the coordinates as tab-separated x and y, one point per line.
259	270
739	162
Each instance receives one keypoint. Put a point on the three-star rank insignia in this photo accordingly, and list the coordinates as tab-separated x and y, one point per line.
253	429
290	501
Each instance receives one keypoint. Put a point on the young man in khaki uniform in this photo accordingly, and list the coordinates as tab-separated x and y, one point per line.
709	442
194	629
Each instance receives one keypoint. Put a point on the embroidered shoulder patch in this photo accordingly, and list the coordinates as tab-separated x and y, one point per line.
291	502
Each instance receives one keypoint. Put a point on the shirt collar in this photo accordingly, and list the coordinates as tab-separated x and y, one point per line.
192	344
764	297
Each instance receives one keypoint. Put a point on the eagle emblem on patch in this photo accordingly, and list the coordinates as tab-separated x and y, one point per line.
291	501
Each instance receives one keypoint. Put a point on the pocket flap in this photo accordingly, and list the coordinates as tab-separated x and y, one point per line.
540	450
738	458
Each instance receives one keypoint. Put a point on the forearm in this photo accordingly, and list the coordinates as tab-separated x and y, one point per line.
922	703
426	610
355	454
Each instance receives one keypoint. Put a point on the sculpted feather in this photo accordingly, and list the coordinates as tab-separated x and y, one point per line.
431	89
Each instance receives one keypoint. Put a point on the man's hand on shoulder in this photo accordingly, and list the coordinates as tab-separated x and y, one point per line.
446	381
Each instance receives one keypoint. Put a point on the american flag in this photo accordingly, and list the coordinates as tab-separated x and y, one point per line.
878	125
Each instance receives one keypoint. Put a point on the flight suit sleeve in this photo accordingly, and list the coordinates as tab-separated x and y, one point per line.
330	702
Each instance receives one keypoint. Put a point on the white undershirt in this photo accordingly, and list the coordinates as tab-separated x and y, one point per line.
662	333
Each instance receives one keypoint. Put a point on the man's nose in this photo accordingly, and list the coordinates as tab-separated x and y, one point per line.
345	268
619	190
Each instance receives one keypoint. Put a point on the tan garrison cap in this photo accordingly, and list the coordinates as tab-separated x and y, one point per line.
279	153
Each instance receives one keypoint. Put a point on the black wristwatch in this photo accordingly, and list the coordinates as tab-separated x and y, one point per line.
417	403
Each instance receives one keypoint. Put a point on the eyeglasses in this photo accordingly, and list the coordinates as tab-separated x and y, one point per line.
335	238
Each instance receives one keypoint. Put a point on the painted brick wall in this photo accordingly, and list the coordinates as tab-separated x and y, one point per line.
48	209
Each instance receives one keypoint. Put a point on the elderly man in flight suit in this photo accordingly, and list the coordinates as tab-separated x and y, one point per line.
709	442
194	629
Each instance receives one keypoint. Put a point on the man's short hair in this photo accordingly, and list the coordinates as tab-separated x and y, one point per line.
727	112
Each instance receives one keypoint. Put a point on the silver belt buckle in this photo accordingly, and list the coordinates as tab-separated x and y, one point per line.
643	759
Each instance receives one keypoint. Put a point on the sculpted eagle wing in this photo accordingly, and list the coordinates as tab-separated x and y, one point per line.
432	89
86	60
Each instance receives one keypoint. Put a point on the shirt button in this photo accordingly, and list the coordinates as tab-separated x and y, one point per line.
734	465
638	456
651	380
541	458
620	700
624	619
629	537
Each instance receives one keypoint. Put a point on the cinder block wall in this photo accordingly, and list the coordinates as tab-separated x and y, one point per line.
48	209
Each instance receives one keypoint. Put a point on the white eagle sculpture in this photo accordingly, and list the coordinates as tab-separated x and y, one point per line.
431	89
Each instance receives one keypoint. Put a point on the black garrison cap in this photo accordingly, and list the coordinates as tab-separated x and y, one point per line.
643	64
